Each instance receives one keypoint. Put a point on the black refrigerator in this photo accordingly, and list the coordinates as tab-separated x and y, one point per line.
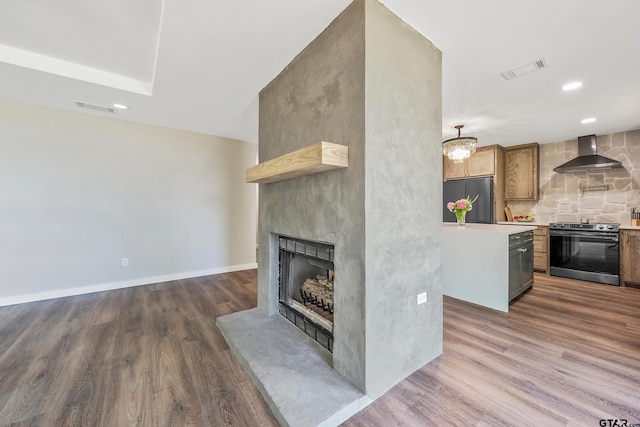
482	211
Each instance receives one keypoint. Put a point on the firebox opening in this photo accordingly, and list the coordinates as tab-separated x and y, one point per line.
306	287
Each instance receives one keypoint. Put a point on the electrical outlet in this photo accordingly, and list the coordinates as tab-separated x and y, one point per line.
125	262
422	298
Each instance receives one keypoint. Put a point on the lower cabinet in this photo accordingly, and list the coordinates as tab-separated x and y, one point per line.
520	263
541	249
630	257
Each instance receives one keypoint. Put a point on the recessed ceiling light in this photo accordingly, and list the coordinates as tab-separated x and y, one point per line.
120	106
588	120
572	86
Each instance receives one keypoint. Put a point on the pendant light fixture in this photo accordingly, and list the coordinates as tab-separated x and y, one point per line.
458	149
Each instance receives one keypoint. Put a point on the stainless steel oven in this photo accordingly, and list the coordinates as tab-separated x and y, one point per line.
585	251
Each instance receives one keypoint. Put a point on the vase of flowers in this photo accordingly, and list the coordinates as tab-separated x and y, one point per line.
461	207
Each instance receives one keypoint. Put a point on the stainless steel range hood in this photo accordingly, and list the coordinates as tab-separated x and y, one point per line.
588	158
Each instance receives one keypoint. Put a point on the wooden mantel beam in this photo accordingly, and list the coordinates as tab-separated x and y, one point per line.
319	157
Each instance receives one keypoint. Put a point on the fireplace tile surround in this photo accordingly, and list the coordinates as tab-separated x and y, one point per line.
306	288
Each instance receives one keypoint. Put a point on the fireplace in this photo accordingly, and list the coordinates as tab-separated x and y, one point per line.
380	214
305	291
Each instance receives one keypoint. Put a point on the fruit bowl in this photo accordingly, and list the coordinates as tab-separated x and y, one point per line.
523	218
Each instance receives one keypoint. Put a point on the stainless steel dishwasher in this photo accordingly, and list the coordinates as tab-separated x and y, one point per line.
520	263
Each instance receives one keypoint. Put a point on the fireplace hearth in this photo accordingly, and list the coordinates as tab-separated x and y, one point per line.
305	290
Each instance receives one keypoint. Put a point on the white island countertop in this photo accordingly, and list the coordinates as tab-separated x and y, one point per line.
492	228
475	262
520	223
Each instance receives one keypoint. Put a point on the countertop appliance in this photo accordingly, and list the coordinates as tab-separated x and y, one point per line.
520	263
585	251
457	189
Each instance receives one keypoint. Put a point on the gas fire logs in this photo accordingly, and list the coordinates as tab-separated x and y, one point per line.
318	291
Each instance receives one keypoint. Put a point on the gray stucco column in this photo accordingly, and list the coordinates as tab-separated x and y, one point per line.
371	82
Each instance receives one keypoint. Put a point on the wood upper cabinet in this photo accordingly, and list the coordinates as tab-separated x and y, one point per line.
481	163
522	172
453	170
629	256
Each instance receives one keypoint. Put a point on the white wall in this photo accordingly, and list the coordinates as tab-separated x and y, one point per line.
79	192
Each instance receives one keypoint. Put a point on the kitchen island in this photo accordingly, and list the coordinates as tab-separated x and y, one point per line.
475	265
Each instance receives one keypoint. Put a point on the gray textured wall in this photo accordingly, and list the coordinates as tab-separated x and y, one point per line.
382	213
320	96
403	197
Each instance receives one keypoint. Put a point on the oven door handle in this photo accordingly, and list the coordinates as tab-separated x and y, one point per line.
608	237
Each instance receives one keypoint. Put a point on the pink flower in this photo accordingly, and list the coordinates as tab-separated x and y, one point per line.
461	204
450	206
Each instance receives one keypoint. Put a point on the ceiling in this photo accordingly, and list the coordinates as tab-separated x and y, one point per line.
199	65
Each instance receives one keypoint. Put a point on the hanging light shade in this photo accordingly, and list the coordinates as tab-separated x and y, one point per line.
458	149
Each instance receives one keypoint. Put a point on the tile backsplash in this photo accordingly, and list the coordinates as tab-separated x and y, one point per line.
561	194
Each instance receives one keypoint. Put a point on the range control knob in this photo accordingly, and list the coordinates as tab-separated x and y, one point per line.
610	227
600	227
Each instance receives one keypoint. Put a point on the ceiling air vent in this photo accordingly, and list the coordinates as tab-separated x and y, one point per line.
96	107
525	69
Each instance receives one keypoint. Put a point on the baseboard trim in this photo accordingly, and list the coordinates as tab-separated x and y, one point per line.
61	293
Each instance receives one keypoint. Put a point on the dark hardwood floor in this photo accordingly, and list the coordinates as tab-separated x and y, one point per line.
568	353
144	356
